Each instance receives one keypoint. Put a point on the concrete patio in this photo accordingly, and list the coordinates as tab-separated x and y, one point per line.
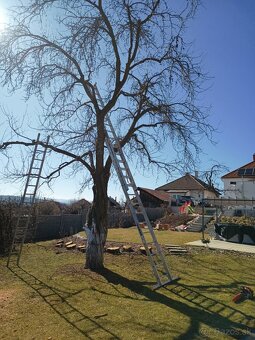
216	244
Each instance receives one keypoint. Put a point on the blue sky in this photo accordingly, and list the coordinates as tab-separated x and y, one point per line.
223	35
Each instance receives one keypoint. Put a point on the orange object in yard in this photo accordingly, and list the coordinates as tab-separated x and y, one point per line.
246	293
238	297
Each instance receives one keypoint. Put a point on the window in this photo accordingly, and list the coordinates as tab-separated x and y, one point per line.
241	172
232	183
248	172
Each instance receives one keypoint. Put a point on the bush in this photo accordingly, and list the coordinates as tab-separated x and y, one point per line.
118	219
8	212
48	207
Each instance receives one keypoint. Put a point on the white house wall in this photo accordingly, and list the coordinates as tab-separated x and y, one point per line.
243	188
197	194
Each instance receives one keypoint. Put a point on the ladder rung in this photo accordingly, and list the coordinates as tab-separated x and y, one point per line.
165	283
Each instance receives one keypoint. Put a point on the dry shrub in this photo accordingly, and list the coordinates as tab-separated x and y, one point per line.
8	213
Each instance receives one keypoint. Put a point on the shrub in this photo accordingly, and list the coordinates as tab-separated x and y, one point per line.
8	212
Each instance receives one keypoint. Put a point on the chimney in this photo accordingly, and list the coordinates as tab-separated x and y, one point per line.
254	157
196	174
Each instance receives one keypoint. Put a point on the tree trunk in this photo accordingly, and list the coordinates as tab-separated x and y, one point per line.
95	249
97	226
97	220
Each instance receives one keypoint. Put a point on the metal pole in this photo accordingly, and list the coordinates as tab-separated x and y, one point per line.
203	216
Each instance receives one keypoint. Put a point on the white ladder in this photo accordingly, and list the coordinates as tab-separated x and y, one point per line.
157	259
23	228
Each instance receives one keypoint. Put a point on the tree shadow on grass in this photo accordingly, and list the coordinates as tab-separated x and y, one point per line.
205	311
57	300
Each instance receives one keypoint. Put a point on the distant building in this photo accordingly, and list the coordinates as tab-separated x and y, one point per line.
240	183
154	198
113	204
189	185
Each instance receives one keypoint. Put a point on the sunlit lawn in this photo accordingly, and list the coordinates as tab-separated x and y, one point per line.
163	236
52	297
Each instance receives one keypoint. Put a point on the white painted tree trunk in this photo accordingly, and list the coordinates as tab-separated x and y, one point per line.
95	248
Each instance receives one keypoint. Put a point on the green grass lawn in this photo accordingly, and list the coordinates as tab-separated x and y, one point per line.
51	296
163	236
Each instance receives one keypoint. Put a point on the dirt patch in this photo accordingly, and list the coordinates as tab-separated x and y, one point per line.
7	296
78	241
191	250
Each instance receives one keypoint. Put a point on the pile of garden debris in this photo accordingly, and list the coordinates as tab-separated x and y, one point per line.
174	222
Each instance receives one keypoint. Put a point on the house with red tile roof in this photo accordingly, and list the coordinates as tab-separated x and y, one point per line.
154	198
189	185
240	183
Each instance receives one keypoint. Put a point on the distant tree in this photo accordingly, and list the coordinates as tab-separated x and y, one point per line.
212	176
77	207
48	207
135	50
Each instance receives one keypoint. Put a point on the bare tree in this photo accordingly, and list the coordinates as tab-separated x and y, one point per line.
135	51
211	177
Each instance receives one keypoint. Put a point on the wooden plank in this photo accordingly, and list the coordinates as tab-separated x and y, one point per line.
143	250
68	243
127	248
71	246
113	250
172	245
81	248
176	252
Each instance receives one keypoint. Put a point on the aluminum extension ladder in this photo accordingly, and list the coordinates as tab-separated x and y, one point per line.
23	229
157	259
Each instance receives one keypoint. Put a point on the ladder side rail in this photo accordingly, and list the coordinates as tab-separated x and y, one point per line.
133	212
25	228
34	194
158	247
30	170
40	172
141	206
22	202
143	212
148	252
116	150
